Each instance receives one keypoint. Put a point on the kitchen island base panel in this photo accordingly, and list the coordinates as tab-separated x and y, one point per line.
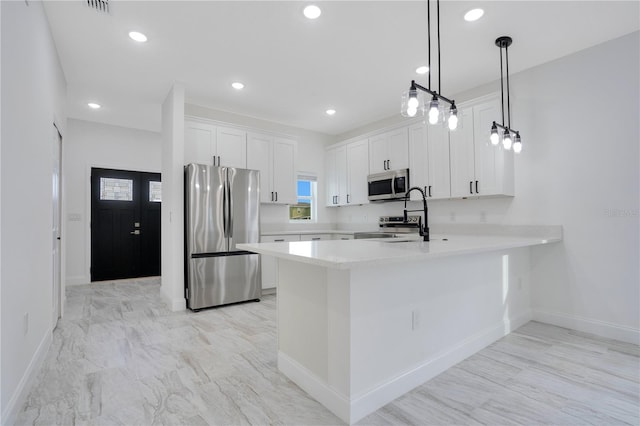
357	339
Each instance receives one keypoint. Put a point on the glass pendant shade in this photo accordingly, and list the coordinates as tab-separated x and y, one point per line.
411	104
517	144
495	137
453	118
506	140
434	111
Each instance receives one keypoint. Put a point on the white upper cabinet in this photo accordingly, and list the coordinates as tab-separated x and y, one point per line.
199	141
205	143
477	167
260	157
357	172
275	158
429	160
284	170
346	174
389	151
231	148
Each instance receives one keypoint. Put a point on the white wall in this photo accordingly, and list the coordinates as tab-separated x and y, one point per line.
311	147
578	117
33	88
86	145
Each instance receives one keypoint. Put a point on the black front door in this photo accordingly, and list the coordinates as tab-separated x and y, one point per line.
125	224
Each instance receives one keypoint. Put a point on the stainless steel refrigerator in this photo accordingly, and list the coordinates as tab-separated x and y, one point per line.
222	209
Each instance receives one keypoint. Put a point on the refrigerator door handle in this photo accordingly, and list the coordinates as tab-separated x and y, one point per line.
230	206
224	210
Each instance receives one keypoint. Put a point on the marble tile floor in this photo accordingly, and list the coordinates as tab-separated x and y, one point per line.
120	357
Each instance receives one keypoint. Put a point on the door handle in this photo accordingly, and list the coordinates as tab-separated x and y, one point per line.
348	199
476	187
271	195
429	190
218	160
315	238
278	241
276	195
136	232
388	164
214	160
470	187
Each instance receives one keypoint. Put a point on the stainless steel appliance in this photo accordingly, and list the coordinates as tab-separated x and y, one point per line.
393	227
222	209
389	185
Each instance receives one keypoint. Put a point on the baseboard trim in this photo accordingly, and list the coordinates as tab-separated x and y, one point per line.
589	325
267	291
338	404
174	305
353	409
10	412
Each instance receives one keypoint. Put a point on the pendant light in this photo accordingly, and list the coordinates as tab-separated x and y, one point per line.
510	137
412	104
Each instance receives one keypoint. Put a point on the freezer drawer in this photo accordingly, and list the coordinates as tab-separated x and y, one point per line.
219	280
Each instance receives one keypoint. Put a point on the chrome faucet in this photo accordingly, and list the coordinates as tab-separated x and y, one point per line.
424	229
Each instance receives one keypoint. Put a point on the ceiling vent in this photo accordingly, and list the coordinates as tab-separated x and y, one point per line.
99	5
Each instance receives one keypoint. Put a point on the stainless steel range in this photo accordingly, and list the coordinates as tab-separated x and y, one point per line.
393	226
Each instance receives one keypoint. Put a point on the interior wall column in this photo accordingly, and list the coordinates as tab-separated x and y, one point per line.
172	227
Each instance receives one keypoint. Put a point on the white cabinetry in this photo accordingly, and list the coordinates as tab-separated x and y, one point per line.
429	160
269	263
346	173
477	167
389	151
206	143
275	158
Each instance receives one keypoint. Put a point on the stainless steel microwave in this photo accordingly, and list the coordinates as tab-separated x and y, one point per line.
390	185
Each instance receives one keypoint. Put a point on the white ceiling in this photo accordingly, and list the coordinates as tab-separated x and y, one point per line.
358	57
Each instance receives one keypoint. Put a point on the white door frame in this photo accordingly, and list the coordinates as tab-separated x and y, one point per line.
56	176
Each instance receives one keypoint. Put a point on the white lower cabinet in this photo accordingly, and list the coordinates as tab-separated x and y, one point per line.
343	236
269	263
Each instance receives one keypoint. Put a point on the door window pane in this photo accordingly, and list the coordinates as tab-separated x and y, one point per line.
155	192
116	189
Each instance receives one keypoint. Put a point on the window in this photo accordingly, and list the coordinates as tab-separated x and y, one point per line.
155	191
116	189
305	208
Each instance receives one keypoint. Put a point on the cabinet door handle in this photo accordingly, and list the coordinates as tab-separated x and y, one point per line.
348	199
429	190
388	164
476	187
276	195
315	238
470	187
279	241
214	160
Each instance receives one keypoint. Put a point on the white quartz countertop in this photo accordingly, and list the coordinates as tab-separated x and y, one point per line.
356	253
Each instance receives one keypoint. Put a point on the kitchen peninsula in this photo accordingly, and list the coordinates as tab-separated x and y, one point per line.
361	322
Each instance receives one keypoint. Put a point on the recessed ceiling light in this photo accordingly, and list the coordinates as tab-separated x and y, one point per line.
422	70
330	111
94	105
139	37
473	15
312	11
237	85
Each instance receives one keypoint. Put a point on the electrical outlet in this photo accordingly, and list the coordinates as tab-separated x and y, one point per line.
415	320
25	323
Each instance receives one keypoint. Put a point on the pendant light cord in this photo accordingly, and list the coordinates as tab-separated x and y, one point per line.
501	87
429	42
506	52
438	12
